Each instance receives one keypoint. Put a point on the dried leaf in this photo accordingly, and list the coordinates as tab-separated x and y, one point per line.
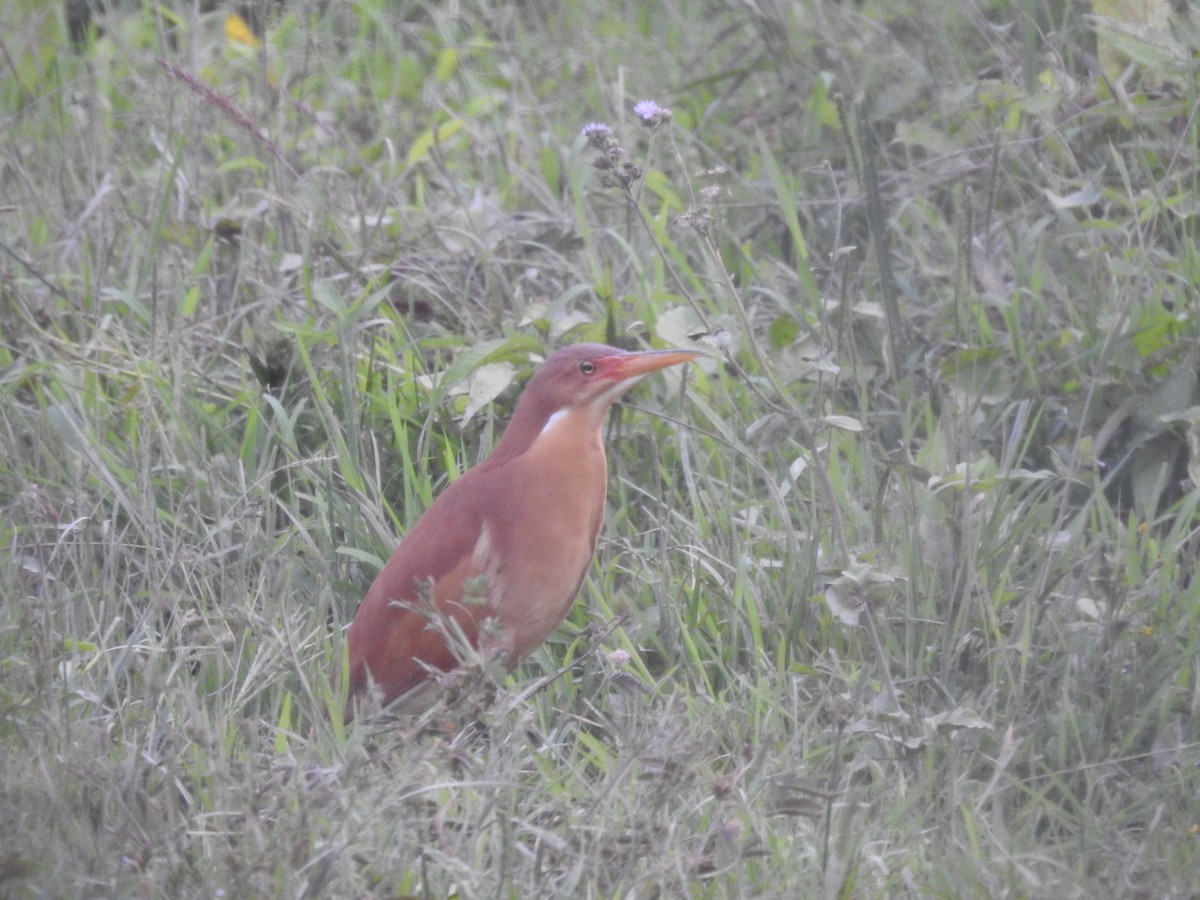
487	383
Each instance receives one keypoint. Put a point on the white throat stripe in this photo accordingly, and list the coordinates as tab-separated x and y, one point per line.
553	420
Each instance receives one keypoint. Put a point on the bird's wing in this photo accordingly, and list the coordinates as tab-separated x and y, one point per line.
397	634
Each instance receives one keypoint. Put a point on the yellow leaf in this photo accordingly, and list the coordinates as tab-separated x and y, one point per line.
237	31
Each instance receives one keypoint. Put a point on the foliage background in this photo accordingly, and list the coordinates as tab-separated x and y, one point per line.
894	597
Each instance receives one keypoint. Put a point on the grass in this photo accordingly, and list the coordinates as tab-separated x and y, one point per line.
895	594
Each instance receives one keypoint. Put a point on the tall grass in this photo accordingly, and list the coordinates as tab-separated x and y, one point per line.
895	593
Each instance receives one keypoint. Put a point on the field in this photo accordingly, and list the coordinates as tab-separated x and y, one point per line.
894	597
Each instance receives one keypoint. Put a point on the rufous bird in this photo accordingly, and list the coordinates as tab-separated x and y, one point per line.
503	550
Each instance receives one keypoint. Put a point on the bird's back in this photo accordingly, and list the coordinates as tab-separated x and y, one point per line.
391	643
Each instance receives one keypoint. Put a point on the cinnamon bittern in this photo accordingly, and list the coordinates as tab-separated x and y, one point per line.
503	550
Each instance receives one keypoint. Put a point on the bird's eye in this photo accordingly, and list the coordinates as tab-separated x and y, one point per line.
587	368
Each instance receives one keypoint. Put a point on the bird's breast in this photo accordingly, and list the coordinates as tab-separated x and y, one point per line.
537	545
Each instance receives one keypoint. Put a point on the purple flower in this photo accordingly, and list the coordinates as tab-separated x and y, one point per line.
596	129
645	109
651	113
598	134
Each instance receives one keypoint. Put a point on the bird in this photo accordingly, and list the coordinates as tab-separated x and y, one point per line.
501	553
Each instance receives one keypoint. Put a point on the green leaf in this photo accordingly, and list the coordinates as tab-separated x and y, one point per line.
284	726
426	140
1156	328
783	331
447	64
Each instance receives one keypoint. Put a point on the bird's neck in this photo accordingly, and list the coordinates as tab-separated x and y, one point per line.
532	427
567	462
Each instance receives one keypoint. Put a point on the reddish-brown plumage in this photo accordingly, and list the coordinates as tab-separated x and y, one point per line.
516	533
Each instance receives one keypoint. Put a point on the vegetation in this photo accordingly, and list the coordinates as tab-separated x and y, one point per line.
895	594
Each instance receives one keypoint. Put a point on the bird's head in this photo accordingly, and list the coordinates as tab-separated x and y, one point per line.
583	377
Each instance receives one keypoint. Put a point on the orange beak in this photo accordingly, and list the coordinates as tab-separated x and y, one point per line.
637	364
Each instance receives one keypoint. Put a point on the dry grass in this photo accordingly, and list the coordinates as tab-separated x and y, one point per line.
895	596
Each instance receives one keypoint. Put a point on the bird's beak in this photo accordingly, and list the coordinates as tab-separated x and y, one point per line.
637	364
